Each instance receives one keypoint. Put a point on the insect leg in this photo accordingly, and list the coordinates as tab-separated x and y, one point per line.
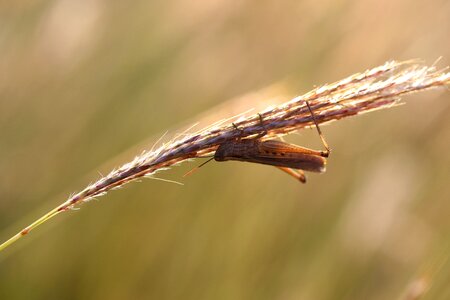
324	142
260	135
237	128
297	174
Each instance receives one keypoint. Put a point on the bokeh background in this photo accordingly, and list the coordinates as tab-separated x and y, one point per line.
85	85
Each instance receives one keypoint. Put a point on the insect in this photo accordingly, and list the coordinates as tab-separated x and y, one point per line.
290	158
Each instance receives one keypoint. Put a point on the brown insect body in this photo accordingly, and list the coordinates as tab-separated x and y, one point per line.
272	152
289	158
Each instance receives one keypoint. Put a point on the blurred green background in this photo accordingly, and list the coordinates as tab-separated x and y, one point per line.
86	85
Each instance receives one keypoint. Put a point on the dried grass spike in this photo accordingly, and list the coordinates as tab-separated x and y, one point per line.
371	90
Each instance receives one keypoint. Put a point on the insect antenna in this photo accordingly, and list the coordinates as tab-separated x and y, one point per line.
324	142
198	167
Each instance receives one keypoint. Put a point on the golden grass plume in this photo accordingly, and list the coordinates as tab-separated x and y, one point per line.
374	89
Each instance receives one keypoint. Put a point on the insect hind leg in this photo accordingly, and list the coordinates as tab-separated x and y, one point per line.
297	174
327	151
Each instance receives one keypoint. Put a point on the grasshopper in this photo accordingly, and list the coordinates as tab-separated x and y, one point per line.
290	158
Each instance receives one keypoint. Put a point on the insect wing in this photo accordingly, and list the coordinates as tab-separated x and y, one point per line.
278	148
278	153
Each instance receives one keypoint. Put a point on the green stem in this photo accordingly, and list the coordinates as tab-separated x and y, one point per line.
30	227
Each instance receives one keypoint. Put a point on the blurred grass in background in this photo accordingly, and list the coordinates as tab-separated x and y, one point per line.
82	82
